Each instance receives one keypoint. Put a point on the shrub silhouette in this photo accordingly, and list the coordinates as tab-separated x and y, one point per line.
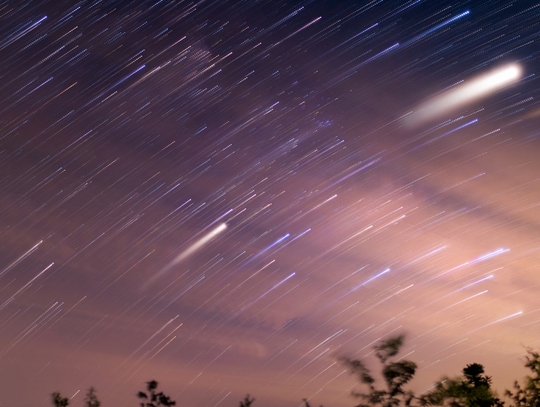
91	399
58	400
471	390
154	399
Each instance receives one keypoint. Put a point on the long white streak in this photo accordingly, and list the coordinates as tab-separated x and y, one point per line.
469	91
188	252
198	244
26	285
15	262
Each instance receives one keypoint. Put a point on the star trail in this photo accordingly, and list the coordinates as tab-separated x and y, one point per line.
228	196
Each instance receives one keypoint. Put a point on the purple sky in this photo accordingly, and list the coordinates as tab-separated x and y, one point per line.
226	197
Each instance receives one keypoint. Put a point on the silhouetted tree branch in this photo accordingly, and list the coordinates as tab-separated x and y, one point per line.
396	375
246	402
529	394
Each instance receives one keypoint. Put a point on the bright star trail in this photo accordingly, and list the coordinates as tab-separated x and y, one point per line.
462	94
226	197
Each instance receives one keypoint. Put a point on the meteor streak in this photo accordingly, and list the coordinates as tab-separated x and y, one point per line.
467	92
188	252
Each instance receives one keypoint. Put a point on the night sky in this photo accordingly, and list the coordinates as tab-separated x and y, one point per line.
227	196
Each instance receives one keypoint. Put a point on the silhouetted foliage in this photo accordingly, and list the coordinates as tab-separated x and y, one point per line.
58	400
471	390
529	395
246	402
473	375
154	399
396	375
91	399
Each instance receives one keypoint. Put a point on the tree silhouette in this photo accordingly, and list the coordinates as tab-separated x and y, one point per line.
58	400
246	402
91	399
153	399
473	375
471	390
529	395
396	375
